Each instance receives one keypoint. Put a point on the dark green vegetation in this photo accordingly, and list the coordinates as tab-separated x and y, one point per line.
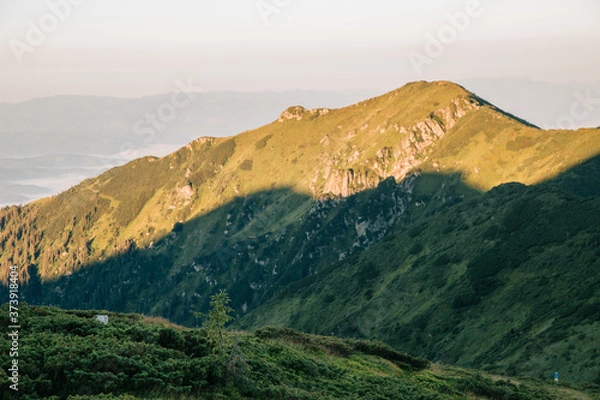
70	355
506	281
393	219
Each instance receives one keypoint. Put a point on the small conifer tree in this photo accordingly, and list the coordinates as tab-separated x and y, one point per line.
218	317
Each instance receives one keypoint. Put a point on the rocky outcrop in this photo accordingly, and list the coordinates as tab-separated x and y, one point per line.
346	174
299	112
296	113
347	182
199	143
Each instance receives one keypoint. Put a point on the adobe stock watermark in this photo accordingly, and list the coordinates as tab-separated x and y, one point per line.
13	328
268	8
580	109
37	32
156	121
436	45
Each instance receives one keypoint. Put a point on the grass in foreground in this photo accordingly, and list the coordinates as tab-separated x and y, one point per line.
69	355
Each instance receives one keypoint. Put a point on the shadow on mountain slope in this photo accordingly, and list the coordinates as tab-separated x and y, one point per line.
501	280
582	180
507	281
253	246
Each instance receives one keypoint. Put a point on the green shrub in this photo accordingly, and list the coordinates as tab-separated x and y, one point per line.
171	339
247	165
415	249
443	260
262	143
220	154
416	230
368	271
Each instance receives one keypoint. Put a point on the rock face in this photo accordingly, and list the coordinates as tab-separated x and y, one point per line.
344	176
347	182
298	112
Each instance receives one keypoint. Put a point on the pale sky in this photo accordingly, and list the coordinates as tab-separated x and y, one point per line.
129	48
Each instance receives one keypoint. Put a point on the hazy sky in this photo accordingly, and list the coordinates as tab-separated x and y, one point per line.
129	48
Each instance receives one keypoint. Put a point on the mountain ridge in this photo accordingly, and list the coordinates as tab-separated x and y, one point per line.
258	212
347	171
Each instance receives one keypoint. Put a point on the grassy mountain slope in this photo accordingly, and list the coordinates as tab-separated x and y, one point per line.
435	126
260	211
70	355
153	194
507	281
512	152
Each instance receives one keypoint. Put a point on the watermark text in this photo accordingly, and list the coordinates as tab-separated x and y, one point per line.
37	32
13	327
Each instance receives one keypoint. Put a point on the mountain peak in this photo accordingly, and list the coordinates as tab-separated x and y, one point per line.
434	85
437	91
258	212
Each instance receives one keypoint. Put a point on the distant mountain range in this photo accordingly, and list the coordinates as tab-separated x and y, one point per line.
426	217
547	105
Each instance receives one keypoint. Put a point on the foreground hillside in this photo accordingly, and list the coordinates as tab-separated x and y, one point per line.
71	355
390	219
